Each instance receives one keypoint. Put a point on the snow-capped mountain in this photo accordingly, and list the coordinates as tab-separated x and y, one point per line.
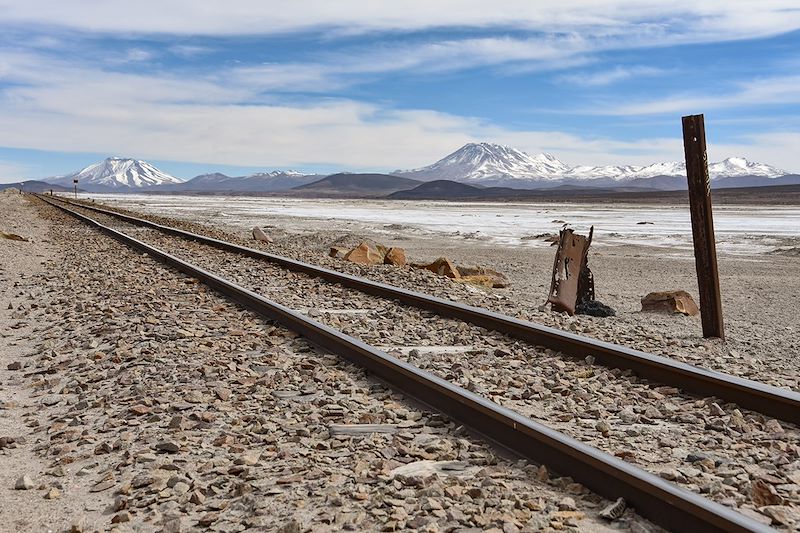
484	161
494	164
116	174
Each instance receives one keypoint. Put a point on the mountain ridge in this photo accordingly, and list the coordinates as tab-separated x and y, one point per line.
499	165
480	164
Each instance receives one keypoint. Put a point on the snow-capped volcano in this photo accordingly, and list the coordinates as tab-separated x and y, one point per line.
483	161
117	174
495	164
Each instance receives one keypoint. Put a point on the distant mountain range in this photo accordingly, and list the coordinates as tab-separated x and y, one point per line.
478	164
487	164
261	182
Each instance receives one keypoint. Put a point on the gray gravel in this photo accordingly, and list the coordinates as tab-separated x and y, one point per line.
736	457
160	406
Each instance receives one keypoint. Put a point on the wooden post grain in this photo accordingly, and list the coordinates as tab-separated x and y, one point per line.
705	248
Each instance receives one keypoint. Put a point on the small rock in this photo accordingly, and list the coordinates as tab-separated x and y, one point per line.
142	480
139	410
395	256
782	514
773	426
764	494
172	526
103	485
716	410
292	526
337	253
208	519
567	504
259	235
119	518
16	365
442	266
12	236
52	494
168	447
614	510
603	427
24	483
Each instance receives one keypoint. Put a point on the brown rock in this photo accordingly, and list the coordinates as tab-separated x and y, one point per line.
782	514
119	518
12	236
485	277
139	409
208	519
442	266
764	494
364	254
670	302
337	253
395	256
259	235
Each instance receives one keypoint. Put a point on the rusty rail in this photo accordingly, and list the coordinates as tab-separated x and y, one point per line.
767	399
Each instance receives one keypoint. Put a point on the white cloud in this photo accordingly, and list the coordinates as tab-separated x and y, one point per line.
11	172
198	121
714	19
612	75
760	92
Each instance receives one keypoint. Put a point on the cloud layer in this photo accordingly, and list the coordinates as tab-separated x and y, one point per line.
150	93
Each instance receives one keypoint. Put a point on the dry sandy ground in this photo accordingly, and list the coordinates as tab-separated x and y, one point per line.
20	263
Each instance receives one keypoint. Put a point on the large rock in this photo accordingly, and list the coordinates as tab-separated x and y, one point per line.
442	266
395	256
259	235
670	302
483	276
364	254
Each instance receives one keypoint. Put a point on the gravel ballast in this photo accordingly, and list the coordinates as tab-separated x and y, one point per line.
725	453
149	403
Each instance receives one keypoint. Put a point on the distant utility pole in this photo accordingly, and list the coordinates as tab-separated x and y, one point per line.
705	247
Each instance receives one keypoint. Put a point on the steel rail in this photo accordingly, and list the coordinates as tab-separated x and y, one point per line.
766	399
652	497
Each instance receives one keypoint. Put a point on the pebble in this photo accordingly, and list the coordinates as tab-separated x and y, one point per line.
24	483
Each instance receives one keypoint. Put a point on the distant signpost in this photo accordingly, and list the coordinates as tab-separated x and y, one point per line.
75	185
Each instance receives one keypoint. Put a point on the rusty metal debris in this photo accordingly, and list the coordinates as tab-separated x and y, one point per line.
572	282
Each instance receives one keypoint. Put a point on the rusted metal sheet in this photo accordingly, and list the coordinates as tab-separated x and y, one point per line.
572	281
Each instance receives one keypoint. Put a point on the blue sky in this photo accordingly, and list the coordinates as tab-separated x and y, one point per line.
323	86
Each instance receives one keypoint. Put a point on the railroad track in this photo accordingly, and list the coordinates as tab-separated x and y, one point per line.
652	496
760	397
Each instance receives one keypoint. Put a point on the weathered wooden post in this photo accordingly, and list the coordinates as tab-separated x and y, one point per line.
705	248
